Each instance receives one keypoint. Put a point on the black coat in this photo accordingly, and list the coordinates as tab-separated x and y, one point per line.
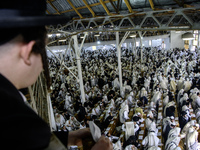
21	127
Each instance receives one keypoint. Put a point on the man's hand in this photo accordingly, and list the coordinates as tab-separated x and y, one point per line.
75	138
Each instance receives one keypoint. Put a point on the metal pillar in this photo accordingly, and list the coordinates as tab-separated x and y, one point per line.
140	34
119	60
77	51
119	55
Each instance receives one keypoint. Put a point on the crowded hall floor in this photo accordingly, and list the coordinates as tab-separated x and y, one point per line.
158	107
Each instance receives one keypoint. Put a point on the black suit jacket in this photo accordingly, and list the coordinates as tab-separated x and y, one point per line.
21	128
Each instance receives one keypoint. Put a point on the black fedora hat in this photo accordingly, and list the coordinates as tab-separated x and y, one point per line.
26	13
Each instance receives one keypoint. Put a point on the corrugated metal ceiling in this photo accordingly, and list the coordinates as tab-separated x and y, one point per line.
63	7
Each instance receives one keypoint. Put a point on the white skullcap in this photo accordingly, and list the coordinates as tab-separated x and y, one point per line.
197	125
172	117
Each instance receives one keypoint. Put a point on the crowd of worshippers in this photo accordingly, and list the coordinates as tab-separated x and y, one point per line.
170	75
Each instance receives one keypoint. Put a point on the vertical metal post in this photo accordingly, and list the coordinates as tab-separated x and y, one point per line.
119	60
76	47
140	34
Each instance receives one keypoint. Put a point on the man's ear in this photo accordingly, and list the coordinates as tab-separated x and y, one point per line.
25	52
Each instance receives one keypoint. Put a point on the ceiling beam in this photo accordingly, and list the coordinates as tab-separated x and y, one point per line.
152	4
89	8
74	8
118	5
105	7
129	6
117	10
53	7
83	7
179	3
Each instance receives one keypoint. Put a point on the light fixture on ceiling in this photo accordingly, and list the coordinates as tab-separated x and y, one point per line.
187	36
132	35
96	34
49	35
58	34
62	40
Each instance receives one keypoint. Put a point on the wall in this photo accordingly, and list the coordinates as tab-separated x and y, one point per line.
176	39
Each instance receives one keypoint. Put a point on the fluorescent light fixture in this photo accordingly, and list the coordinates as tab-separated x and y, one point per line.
49	35
132	35
187	36
97	35
58	34
62	40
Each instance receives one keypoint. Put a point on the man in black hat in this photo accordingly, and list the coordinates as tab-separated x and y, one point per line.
22	58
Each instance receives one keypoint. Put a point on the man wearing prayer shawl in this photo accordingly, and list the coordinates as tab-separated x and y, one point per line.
123	113
151	139
172	143
192	138
174	132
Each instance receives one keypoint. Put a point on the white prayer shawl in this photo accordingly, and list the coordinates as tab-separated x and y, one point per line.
123	113
197	113
191	139
156	97
187	86
130	100
127	88
163	84
146	84
180	84
62	86
117	145
152	128
67	104
150	140
172	103
95	131
116	83
92	81
172	143
173	85
186	128
165	101
129	129
148	123
174	132
154	148
179	94
195	102
166	121
177	148
95	111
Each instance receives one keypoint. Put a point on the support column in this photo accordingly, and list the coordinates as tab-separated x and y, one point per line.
140	34
119	60
76	47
